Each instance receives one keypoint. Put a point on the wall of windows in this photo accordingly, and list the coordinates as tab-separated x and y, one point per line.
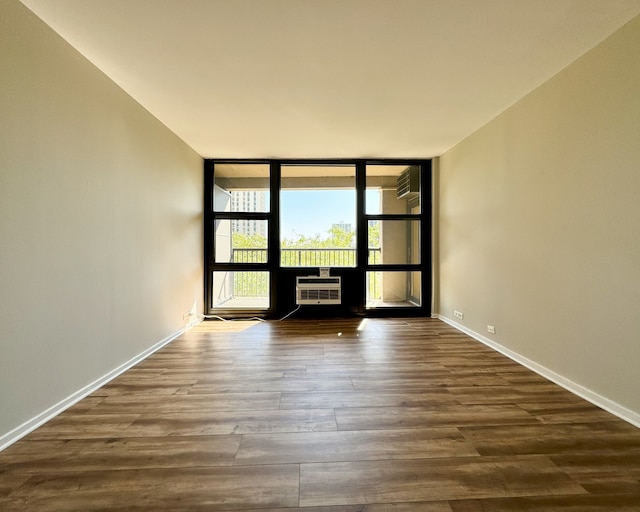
270	221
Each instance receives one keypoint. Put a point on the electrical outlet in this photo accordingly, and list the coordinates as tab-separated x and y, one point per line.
458	314
491	329
193	312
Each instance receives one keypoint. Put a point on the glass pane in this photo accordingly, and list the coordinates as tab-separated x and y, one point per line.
393	289
318	216
394	242
241	187
392	189
240	290
241	241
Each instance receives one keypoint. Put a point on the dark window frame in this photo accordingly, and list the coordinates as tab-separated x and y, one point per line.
278	274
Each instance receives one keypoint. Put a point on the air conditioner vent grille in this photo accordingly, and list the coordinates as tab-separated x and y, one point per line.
408	183
319	294
318	290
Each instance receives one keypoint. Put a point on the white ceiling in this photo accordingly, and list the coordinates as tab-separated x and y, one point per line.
330	78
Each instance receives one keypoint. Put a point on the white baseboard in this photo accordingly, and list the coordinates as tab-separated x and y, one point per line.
29	426
604	403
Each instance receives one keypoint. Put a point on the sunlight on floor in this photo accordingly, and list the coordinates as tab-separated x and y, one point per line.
220	326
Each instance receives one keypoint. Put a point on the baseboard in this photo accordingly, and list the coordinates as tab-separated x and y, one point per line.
604	403
29	426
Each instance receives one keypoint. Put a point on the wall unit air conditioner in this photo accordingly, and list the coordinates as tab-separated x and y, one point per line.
318	290
408	182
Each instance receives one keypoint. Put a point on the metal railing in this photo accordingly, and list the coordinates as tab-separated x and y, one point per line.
318	257
249	256
250	284
307	257
256	283
374	290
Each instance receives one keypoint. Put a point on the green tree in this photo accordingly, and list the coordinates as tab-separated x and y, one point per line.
255	245
341	238
337	247
303	242
374	234
335	238
244	241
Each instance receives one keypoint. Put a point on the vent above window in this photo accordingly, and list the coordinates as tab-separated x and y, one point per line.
408	182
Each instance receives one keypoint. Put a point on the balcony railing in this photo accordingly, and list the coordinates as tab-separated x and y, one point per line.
307	257
254	284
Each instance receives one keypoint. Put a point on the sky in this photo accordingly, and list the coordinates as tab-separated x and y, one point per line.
307	212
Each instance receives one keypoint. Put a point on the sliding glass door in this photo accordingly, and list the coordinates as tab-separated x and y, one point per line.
394	222
239	277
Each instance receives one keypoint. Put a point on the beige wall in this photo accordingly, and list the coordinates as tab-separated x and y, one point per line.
100	223
539	224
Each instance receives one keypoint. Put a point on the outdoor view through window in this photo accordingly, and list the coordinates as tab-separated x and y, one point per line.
317	228
240	191
318	216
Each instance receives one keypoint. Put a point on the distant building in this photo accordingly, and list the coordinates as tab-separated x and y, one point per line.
249	201
347	227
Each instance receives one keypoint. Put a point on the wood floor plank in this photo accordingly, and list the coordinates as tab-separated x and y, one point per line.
553	439
227	488
55	456
608	471
339	368
232	422
258	384
528	392
253	367
86	404
10	481
206	376
215	328
583	503
82	426
346	508
431	479
426	380
375	398
518	375
353	446
159	387
569	410
190	403
442	415
431	506
195	364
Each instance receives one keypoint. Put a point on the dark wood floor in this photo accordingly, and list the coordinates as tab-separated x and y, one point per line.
407	414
